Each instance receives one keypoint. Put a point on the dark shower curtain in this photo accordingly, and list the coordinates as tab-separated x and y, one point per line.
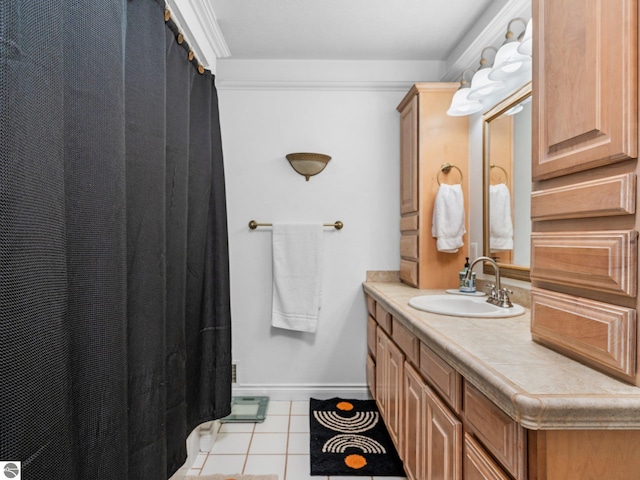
114	277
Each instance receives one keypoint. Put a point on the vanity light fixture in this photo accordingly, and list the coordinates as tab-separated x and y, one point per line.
481	85
509	61
308	164
460	104
526	45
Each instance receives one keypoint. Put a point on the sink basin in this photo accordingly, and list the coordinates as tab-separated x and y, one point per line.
460	306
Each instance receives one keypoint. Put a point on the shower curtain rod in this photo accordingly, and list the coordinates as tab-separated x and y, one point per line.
191	55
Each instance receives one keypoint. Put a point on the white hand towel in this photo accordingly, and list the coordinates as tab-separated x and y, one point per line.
297	275
448	218
501	225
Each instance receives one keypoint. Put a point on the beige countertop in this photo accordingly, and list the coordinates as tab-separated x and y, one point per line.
537	387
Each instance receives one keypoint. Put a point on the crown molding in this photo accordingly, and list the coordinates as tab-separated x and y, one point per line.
491	35
197	21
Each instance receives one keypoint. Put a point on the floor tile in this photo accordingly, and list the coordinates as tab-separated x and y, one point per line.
298	444
227	464
384	478
278	408
231	443
300	407
299	423
265	464
273	424
268	443
298	468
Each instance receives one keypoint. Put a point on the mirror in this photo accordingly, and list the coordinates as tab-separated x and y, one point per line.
507	184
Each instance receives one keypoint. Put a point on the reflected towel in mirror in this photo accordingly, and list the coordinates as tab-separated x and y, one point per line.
448	218
500	222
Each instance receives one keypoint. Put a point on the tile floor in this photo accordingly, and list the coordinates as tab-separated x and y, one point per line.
278	445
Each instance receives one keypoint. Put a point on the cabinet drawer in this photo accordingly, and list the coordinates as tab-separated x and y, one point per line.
478	464
604	261
407	341
371	305
383	318
409	223
409	272
499	434
371	335
600	334
442	376
409	246
371	375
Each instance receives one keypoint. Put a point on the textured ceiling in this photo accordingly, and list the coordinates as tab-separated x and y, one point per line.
347	29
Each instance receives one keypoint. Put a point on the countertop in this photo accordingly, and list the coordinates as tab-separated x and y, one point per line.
537	387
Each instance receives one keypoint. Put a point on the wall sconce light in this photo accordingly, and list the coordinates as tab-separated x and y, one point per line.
509	61
460	104
481	85
308	164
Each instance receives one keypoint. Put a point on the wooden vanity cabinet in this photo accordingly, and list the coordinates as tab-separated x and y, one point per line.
584	245
428	139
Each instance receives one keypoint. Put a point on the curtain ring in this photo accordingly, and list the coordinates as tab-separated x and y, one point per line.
191	55
167	15
180	38
446	168
200	69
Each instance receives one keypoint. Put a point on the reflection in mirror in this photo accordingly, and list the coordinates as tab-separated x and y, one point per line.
507	183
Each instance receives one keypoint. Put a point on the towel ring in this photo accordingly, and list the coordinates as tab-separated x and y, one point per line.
506	175
446	168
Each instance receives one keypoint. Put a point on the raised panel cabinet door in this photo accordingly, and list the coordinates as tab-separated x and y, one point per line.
395	389
415	428
409	157
444	440
585	70
478	464
381	371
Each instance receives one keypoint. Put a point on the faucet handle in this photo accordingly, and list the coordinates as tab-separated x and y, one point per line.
503	298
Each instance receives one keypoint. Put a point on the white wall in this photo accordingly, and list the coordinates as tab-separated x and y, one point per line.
348	111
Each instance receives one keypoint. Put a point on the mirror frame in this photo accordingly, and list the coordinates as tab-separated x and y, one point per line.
506	270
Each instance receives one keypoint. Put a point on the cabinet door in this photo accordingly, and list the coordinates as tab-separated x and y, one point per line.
381	371
395	384
585	88
409	157
415	428
478	465
444	440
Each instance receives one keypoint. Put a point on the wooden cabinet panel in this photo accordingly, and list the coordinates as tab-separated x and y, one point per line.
444	440
371	305
409	272
604	261
371	375
409	172
383	318
409	223
585	84
444	378
415	428
407	341
478	465
409	246
596	198
395	384
601	334
501	435
371	335
381	371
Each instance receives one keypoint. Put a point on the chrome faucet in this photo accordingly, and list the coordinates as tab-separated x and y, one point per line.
497	295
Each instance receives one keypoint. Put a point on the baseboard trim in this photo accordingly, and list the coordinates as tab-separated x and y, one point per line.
298	392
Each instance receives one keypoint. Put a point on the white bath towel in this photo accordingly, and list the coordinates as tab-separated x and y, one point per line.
501	224
448	218
297	275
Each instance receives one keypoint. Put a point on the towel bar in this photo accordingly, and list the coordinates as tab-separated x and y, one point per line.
253	225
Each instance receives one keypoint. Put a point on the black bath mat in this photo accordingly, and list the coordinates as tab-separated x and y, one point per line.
349	438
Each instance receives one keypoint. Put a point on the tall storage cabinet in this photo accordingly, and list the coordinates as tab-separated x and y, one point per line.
429	139
584	259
